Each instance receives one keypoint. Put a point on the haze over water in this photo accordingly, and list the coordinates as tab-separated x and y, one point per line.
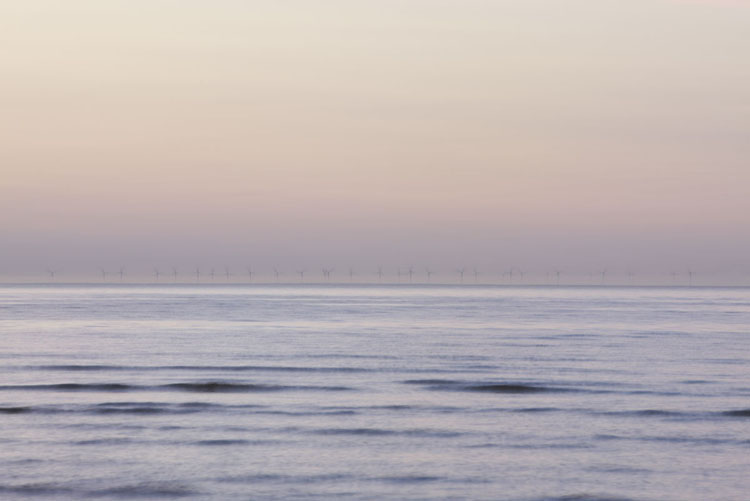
373	392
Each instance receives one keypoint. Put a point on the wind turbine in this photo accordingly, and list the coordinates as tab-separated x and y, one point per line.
226	272
429	273
461	272
690	277
631	276
197	274
603	274
157	274
557	276
379	273
327	273
301	274
398	273
276	273
174	273
250	273
51	273
212	274
121	272
476	275
351	274
411	273
104	273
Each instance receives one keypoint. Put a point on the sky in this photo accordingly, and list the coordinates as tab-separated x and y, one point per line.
538	134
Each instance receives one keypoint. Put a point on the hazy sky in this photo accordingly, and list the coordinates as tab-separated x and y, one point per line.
538	133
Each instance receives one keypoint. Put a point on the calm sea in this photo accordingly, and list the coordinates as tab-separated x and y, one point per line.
374	392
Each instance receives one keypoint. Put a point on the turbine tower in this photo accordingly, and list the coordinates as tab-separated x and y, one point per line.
121	272
157	274
429	273
379	273
327	274
461	272
174	273
631	276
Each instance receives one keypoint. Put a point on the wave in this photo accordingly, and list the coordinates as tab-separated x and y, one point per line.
192	387
287	479
146	490
385	432
223	442
674	439
42	489
585	497
212	368
738	413
15	410
482	387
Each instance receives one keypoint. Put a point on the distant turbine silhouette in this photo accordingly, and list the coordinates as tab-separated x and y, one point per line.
398	273
197	274
174	273
327	273
461	272
690	277
351	274
603	274
157	274
631	276
104	273
226	273
301	274
411	273
557	275
121	273
276	273
476	275
379	273
250	273
51	273
212	274
674	276
429	273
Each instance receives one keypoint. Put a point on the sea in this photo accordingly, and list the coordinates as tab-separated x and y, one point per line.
374	392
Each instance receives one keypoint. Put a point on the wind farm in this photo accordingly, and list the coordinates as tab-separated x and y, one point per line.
502	276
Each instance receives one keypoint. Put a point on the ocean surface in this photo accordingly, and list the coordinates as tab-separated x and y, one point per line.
374	392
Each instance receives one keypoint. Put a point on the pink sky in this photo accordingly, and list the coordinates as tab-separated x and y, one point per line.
539	132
